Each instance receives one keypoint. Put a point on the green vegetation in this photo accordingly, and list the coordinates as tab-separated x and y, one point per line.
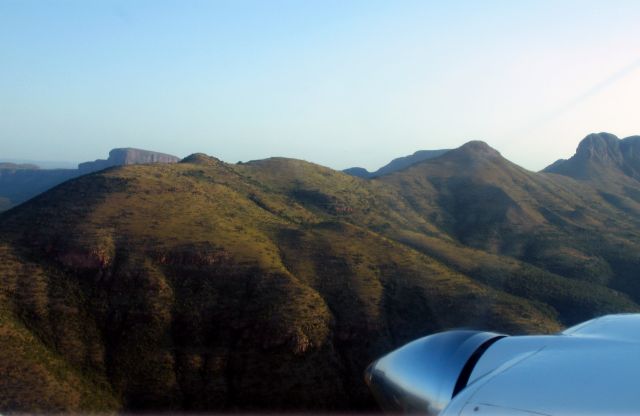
270	285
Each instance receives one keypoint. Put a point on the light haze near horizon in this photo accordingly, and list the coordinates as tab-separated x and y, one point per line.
340	83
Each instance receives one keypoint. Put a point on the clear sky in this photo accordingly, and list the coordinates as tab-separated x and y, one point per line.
337	82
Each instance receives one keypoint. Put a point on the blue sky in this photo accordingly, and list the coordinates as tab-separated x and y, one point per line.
340	83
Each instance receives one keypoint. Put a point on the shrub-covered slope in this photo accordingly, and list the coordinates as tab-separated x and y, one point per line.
270	285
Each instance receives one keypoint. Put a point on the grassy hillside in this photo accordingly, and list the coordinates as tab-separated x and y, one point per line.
270	285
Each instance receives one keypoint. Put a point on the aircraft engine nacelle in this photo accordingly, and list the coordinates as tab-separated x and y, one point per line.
589	369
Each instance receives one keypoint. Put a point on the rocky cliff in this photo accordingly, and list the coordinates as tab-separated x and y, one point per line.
127	156
599	155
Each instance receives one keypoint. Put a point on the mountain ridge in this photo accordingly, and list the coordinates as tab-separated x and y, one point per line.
270	285
396	164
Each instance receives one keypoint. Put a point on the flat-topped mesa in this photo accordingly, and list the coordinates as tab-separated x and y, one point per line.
127	156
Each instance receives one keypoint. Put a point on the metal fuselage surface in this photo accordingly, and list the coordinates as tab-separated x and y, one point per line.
590	369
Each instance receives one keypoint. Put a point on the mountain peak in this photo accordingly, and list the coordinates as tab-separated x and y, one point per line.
603	147
479	146
475	150
200	159
600	154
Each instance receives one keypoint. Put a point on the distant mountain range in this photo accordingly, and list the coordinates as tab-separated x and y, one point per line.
270	285
17	166
42	164
21	182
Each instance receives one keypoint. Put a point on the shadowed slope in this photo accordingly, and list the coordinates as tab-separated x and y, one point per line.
270	285
553	222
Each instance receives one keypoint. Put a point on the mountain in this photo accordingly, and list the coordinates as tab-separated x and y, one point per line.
553	222
358	172
608	164
601	155
397	164
20	182
270	285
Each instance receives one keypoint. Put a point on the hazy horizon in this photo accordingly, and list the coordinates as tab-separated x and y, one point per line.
68	164
341	84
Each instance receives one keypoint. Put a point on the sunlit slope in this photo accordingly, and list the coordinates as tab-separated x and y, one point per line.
208	286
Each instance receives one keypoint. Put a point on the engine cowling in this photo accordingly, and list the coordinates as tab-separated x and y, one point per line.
424	375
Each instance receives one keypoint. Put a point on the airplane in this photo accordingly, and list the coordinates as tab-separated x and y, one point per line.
590	369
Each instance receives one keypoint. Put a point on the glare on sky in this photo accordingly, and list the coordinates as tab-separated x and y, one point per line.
340	83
